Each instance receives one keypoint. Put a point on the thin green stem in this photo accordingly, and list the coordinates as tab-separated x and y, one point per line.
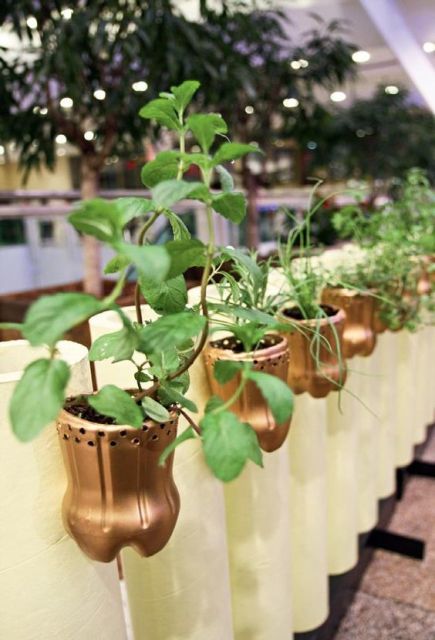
140	241
117	289
233	398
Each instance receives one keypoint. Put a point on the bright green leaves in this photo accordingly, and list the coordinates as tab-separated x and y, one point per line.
170	331
152	261
231	206
184	93
228	444
232	151
163	167
277	394
38	397
227	182
188	434
119	345
170	392
179	229
105	219
205	127
155	410
116	264
50	317
167	192
117	404
166	297
225	370
163	111
185	254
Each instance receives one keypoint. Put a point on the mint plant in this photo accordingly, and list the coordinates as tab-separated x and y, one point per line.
163	350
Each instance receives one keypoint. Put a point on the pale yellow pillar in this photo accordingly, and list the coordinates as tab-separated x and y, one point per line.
49	588
405	397
183	591
387	389
308	496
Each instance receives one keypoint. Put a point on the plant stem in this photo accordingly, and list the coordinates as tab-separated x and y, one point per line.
117	289
140	241
233	398
194	426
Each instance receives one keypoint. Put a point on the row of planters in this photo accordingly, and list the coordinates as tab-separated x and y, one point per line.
267	331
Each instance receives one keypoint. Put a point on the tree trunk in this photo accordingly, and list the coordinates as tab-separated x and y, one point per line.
252	218
92	281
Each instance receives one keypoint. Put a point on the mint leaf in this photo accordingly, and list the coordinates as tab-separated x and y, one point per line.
228	444
170	331
277	394
225	370
167	192
133	207
185	254
213	403
179	229
117	263
231	206
50	317
226	178
205	126
184	93
165	297
188	434
119	345
38	397
151	261
113	402
169	392
163	111
163	167
164	362
105	219
232	151
155	410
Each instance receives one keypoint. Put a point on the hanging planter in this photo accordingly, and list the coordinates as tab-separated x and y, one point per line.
358	335
271	357
316	365
118	495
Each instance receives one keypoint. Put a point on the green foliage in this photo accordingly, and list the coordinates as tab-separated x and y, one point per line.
151	261
118	404
38	397
228	444
168	192
155	410
170	331
165	297
185	254
231	206
119	345
205	127
225	370
277	394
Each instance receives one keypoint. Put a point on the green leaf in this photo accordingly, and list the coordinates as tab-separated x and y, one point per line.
164	362
50	317
184	93
179	229
151	261
38	397
165	297
277	394
232	151
226	178
169	392
105	219
163	167
213	403
16	326
246	261
228	444
205	126
225	370
117	263
133	207
118	404
231	206
188	434
155	410
170	331
185	254
119	345
163	111
166	193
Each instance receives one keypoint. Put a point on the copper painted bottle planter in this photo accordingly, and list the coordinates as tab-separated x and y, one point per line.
117	494
251	406
359	338
317	365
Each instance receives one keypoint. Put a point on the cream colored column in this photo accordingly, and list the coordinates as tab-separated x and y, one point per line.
49	588
418	340
387	389
405	397
308	495
342	485
183	591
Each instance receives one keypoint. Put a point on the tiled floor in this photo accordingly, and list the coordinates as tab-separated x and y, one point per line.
396	599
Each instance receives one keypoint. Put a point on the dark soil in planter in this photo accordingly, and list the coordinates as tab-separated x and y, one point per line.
234	345
295	313
80	408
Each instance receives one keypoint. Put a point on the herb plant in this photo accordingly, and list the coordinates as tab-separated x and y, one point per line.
162	350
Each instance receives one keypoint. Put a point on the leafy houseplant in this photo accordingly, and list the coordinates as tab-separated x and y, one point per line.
315	329
251	348
115	420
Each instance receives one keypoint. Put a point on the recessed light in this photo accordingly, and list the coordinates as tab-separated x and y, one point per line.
32	22
361	56
392	90
99	94
338	96
60	138
139	86
290	103
67	13
429	47
249	109
66	103
89	135
295	64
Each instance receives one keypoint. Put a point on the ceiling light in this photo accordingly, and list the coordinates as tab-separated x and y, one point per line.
290	103
139	86
361	56
89	135
338	96
303	63
429	47
311	145
66	103
249	109
2	150
32	22
67	13
43	111
295	64
60	138
392	90
99	94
